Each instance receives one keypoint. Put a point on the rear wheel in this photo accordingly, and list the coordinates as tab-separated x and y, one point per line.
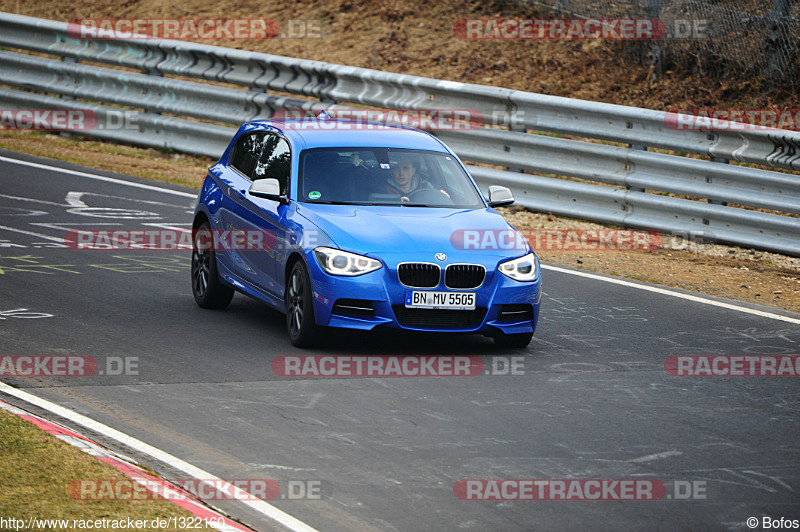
300	322
208	291
515	341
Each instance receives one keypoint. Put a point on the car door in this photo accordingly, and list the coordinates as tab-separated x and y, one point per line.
261	261
235	180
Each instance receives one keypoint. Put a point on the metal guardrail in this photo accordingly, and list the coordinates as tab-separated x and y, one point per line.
636	170
596	162
152	130
155	93
631	168
334	83
639	209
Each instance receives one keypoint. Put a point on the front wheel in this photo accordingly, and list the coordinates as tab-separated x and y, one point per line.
515	341
208	291
300	321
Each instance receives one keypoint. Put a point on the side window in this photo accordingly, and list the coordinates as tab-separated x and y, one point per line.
246	152
275	161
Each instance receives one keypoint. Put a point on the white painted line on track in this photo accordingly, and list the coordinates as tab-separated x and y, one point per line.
31	233
242	496
131	469
171	227
33	200
664	291
98	177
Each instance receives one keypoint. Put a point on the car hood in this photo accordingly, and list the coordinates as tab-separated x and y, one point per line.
378	229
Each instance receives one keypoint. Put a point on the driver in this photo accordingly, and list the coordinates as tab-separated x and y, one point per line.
404	180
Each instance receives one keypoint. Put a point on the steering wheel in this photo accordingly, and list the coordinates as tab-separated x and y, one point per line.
429	195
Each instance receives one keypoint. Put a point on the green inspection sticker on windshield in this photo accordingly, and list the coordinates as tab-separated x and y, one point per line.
314	194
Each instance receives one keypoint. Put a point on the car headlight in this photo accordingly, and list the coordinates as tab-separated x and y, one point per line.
338	262
522	269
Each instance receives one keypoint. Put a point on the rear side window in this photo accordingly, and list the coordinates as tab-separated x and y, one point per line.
275	161
246	152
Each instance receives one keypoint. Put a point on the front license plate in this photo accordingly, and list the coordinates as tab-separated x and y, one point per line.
440	300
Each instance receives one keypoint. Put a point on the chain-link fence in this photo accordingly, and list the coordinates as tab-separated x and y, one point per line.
718	37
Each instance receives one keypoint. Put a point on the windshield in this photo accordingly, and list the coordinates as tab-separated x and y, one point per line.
385	176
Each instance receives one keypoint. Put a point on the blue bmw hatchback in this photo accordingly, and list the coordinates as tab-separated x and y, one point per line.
342	225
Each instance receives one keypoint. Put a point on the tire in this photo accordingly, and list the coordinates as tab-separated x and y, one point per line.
515	341
207	289
300	322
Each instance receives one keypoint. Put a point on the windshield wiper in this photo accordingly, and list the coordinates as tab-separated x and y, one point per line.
400	204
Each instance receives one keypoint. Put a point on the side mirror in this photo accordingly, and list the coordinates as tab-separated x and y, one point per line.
269	188
500	196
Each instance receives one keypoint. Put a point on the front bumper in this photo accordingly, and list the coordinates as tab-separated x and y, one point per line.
378	299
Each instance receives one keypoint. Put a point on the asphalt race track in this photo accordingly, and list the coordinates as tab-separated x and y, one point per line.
590	399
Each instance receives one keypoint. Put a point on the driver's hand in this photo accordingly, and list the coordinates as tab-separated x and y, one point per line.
405	199
443	191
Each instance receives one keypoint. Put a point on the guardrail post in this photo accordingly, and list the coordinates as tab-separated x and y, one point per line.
639	148
653	11
157	74
721	160
511	127
66	59
779	46
654	56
